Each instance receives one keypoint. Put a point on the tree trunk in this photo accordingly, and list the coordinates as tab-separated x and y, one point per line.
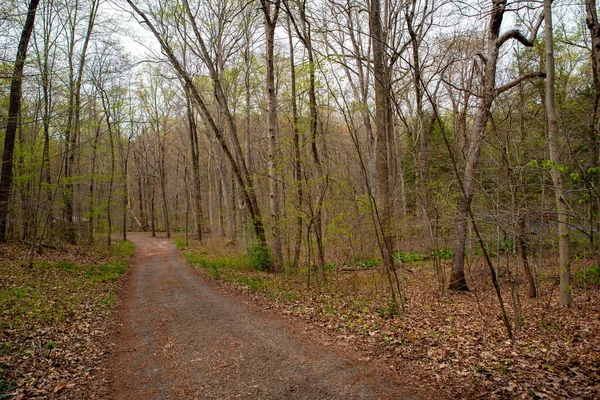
562	207
193	131
594	28
14	107
271	13
163	188
297	154
383	126
487	96
73	121
92	210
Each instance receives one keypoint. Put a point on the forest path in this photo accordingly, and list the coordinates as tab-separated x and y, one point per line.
180	338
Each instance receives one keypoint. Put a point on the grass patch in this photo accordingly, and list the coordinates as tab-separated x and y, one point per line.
179	242
47	309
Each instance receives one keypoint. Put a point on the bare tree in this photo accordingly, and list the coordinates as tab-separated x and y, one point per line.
488	93
14	107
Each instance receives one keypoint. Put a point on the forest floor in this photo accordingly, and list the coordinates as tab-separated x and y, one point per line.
73	327
55	317
455	342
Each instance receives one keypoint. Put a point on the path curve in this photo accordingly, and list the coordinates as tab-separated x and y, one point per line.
178	338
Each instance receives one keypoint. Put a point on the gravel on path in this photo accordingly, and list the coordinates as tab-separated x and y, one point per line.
180	338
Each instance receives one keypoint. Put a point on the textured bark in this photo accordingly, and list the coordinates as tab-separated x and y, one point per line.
271	13
14	107
92	187
594	28
303	30
420	135
562	207
193	132
383	129
297	154
522	248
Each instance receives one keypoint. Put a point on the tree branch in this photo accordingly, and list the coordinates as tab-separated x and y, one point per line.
520	79
519	37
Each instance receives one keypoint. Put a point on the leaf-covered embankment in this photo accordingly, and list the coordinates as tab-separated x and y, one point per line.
457	341
54	316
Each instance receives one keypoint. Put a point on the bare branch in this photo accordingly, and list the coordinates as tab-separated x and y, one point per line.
519	37
520	79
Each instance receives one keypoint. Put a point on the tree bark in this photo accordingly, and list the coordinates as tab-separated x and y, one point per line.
73	120
488	94
297	154
562	207
271	13
383	125
14	107
193	132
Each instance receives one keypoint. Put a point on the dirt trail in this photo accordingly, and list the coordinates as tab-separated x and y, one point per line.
179	338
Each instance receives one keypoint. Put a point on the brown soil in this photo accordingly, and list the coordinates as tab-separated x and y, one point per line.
179	337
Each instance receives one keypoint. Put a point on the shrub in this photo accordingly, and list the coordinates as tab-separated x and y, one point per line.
592	275
259	258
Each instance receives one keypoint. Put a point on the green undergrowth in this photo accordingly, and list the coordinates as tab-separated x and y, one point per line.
52	313
345	299
52	291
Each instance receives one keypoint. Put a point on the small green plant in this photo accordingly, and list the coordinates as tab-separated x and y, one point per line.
359	262
408	257
179	243
443	254
259	258
253	283
214	270
390	310
591	275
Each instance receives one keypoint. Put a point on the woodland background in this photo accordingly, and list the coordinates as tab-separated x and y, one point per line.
324	137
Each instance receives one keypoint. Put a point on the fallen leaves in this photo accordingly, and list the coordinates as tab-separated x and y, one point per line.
52	344
457	340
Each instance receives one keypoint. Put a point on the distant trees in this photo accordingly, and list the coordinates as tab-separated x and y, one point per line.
318	132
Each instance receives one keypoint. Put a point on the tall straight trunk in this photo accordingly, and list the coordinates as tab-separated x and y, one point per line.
140	192
562	207
419	133
383	125
271	13
73	123
305	35
297	154
163	189
594	28
152	210
14	107
45	68
314	143
125	191
110	183
92	210
193	132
